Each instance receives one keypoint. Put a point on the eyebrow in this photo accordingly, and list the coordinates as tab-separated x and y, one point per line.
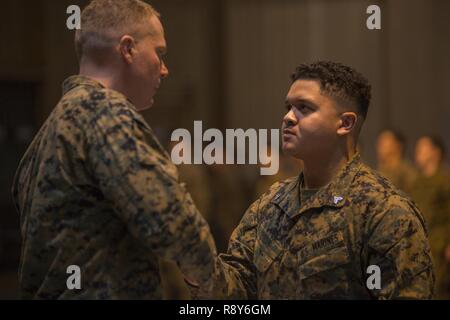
300	100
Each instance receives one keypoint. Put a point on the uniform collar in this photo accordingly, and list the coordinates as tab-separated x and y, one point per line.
79	80
335	194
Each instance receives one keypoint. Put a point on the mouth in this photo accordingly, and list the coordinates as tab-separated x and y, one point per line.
287	132
288	135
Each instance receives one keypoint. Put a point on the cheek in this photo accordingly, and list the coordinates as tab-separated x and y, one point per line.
155	62
327	124
421	156
317	130
311	125
148	63
148	66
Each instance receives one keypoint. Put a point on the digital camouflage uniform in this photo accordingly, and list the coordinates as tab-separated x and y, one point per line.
432	195
96	189
321	249
403	176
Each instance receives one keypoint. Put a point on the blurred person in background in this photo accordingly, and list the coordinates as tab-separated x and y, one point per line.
391	146
431	192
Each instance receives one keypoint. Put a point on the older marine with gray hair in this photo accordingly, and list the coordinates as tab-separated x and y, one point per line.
95	189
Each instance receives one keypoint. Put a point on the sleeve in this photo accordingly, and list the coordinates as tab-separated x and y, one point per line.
142	185
398	245
235	273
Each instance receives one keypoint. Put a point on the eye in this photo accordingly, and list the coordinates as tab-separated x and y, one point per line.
303	108
160	53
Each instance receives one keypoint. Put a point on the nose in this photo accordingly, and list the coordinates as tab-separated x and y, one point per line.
290	119
164	71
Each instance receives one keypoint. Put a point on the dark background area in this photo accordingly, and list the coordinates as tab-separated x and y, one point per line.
229	63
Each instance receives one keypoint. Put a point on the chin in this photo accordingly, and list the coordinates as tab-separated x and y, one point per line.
145	106
291	150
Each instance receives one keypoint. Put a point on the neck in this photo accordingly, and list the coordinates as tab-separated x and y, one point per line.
103	75
319	172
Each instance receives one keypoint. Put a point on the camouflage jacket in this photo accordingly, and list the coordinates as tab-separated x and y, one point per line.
402	176
95	189
322	249
432	195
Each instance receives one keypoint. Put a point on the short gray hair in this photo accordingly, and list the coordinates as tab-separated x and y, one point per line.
103	22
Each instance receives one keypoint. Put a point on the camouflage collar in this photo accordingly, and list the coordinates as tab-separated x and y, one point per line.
332	195
79	80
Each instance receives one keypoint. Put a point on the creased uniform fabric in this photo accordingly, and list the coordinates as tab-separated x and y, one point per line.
321	249
96	189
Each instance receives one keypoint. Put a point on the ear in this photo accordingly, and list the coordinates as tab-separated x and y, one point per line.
127	48
347	123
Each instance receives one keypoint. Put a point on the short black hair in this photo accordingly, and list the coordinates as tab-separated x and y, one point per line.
338	80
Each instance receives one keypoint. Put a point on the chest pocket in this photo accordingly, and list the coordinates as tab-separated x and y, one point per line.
323	267
266	251
327	261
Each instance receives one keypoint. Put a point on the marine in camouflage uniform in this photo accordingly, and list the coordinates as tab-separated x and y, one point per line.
96	189
403	176
321	247
390	147
432	195
330	232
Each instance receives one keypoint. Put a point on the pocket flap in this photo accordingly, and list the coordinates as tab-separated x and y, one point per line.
326	261
266	251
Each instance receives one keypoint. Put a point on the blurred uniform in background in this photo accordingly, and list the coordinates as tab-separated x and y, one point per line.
392	164
432	194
